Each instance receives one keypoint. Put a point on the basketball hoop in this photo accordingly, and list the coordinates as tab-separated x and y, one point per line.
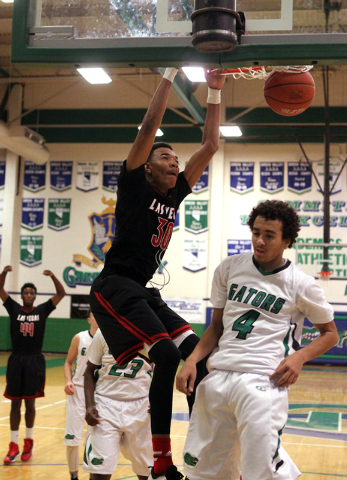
261	73
325	275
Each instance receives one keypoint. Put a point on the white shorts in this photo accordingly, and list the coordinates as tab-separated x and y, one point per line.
75	417
235	427
124	427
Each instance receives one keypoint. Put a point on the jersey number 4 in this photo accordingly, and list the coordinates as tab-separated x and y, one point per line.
244	324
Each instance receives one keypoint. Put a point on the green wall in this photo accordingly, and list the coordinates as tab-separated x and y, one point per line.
59	332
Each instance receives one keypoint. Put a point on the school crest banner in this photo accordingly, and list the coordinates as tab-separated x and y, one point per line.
241	177
194	254
299	177
334	171
202	184
239	246
59	213
110	174
61	175
87	176
271	177
196	215
31	250
2	174
34	176
32	213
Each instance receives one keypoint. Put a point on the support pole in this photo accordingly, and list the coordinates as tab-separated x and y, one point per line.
326	191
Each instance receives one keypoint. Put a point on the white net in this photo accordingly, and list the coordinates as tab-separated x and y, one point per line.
261	73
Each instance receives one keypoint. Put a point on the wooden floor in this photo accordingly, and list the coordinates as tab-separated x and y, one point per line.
315	436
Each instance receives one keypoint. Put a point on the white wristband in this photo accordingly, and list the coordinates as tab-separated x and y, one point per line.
213	96
170	73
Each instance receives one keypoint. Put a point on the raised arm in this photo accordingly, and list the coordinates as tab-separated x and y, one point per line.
68	365
3	293
58	287
289	369
92	416
208	342
152	120
210	139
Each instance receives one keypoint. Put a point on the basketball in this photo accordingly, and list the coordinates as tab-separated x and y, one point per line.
289	94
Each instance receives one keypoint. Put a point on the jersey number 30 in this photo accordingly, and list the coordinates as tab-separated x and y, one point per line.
244	324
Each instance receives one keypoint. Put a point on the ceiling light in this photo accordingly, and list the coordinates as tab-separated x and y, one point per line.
159	133
195	74
8	1
94	75
230	131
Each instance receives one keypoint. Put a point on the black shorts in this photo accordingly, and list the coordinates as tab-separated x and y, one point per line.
130	315
25	376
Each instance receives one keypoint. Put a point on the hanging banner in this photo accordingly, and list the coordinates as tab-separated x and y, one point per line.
202	184
239	246
241	177
196	212
191	309
2	174
177	221
110	174
61	175
32	213
335	166
59	213
1	211
194	254
87	176
299	177
34	176
30	250
271	176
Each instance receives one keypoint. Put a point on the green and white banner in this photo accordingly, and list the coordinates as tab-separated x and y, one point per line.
59	213
196	215
31	250
194	254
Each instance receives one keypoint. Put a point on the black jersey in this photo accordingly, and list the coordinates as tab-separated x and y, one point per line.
27	329
144	223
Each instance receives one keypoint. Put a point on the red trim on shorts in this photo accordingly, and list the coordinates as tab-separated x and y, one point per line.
130	326
180	330
129	354
41	393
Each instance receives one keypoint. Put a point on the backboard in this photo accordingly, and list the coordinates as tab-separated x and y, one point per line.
156	33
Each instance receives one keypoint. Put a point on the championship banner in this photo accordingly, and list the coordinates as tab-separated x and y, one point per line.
194	254
2	174
61	175
334	170
241	177
177	221
271	177
110	174
299	177
87	176
239	246
34	176
79	307
196	215
1	211
32	213
30	250
202	184
59	213
191	309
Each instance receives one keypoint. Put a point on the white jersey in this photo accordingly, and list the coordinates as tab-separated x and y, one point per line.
263	313
85	339
130	382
